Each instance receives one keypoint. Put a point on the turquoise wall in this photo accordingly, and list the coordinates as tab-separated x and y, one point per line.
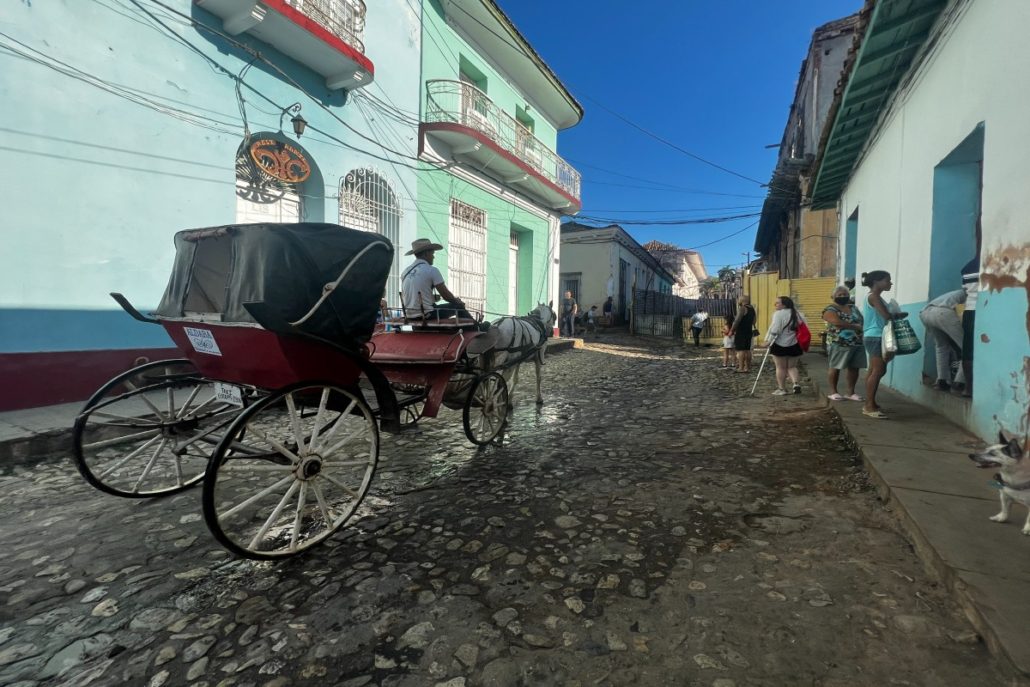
103	183
442	51
435	190
1001	355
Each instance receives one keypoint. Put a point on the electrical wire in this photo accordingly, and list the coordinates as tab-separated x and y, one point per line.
667	222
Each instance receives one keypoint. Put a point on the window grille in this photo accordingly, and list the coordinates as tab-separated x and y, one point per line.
466	255
368	203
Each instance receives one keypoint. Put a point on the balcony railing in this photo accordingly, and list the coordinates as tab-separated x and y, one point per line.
462	103
345	19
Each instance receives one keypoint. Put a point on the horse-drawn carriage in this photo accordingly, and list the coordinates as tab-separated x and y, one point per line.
285	384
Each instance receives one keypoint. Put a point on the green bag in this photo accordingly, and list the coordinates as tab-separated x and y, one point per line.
905	338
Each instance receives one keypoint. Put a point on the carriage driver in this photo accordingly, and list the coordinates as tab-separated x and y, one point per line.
419	280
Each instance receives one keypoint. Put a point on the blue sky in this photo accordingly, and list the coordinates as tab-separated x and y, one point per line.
715	78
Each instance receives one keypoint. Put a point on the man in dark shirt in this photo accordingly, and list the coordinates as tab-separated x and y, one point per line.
569	309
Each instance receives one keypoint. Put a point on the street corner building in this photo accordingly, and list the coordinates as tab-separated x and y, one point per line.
602	262
494	189
924	161
138	119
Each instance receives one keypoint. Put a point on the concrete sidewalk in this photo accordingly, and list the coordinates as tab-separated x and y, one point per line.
918	461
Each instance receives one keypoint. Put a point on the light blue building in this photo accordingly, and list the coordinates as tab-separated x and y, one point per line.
128	120
925	164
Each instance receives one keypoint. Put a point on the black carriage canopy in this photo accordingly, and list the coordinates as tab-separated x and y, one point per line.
322	279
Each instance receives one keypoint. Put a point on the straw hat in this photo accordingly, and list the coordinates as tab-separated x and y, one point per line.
422	245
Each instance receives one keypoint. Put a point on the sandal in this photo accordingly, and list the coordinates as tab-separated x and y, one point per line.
854	397
876	414
835	397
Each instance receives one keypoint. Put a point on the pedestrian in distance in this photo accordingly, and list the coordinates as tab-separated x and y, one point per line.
743	332
943	324
697	325
844	344
569	310
876	315
591	320
784	348
727	344
607	310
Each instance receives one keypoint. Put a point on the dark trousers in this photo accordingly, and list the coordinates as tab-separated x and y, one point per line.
696	331
448	309
568	324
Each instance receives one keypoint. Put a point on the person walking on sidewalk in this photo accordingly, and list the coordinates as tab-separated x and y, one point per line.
942	323
844	343
876	316
785	349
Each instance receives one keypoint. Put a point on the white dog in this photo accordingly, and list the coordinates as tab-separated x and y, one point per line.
1013	478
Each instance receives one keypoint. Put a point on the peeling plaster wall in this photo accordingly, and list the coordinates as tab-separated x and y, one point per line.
976	73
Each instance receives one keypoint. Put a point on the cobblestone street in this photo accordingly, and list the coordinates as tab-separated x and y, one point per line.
650	525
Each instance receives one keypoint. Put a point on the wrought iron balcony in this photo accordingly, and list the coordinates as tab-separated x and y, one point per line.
345	19
457	110
324	35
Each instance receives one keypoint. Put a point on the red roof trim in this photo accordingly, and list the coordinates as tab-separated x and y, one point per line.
487	141
319	31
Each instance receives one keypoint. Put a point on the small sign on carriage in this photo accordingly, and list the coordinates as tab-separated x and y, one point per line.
228	393
203	340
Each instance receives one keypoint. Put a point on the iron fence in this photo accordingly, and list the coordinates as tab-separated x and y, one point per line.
663	314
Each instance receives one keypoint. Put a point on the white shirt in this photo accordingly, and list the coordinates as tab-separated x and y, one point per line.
780	332
417	287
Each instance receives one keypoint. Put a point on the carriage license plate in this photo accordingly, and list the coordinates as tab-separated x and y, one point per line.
203	340
227	393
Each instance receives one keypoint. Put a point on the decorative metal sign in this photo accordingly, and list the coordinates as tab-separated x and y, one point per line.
280	160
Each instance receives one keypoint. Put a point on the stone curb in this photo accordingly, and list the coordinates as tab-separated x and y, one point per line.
932	559
33	449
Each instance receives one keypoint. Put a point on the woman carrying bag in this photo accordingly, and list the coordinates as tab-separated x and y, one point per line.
876	315
785	347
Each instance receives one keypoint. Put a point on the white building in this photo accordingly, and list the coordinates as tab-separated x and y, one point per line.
926	163
687	266
598	262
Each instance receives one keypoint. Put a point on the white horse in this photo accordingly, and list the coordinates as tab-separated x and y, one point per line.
518	339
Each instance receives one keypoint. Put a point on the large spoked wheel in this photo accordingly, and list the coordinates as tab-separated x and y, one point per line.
486	409
150	430
291	470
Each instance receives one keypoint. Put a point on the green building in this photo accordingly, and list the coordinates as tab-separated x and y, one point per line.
492	188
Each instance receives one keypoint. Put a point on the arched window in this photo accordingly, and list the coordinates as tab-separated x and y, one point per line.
368	203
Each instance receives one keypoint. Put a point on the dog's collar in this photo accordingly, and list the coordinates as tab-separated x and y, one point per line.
999	483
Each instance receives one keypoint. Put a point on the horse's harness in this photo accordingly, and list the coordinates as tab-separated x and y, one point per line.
526	351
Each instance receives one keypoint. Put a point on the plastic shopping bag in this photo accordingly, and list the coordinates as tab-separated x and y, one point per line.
888	344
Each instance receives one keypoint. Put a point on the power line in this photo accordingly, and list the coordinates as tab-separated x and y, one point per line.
730	207
728	236
668	222
612	112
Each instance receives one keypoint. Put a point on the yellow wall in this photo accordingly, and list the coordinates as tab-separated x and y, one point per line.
810	297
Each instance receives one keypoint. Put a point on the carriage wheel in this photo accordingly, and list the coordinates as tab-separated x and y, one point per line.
486	409
150	430
291	470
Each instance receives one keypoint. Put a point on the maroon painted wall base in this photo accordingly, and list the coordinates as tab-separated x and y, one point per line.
31	380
